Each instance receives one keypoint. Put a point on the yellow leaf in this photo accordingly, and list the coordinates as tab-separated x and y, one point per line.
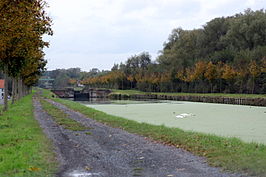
88	168
34	169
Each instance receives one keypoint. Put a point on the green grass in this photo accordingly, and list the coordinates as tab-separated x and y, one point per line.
228	153
61	117
135	92
129	92
24	149
47	93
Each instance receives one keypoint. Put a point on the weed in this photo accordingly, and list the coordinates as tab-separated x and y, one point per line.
61	118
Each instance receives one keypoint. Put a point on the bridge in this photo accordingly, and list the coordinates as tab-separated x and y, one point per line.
83	95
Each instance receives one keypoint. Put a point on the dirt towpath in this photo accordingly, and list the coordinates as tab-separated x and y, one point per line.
112	152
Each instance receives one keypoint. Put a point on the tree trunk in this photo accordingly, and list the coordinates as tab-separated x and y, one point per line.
27	90
253	85
211	86
5	91
30	89
220	85
23	90
19	88
13	90
16	83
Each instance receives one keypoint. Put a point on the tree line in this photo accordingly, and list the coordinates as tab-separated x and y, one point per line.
227	55
64	78
22	26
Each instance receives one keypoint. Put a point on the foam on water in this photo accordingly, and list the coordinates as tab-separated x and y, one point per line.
184	115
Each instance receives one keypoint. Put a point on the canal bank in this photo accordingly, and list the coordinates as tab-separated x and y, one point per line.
252	101
236	99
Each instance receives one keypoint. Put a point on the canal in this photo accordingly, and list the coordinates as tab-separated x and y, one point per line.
245	122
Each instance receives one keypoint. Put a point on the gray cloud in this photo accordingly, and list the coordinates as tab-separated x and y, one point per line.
99	33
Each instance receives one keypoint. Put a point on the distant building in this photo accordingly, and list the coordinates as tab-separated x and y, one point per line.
2	86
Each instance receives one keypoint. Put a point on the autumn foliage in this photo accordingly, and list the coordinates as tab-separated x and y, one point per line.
22	25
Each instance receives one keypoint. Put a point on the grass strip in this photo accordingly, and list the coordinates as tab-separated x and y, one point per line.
227	95
228	153
61	118
24	149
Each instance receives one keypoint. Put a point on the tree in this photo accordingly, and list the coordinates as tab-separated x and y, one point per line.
131	80
22	23
254	70
247	30
228	74
211	73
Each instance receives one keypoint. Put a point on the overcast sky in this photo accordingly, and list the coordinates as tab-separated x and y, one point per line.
98	33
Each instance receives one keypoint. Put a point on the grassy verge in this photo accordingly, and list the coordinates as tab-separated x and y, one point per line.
228	153
24	149
135	92
61	118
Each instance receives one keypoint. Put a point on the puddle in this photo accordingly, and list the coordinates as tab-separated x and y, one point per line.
83	174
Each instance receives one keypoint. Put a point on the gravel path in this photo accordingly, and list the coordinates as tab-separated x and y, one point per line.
112	152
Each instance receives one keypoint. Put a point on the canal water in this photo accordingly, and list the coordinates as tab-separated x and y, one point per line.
245	122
